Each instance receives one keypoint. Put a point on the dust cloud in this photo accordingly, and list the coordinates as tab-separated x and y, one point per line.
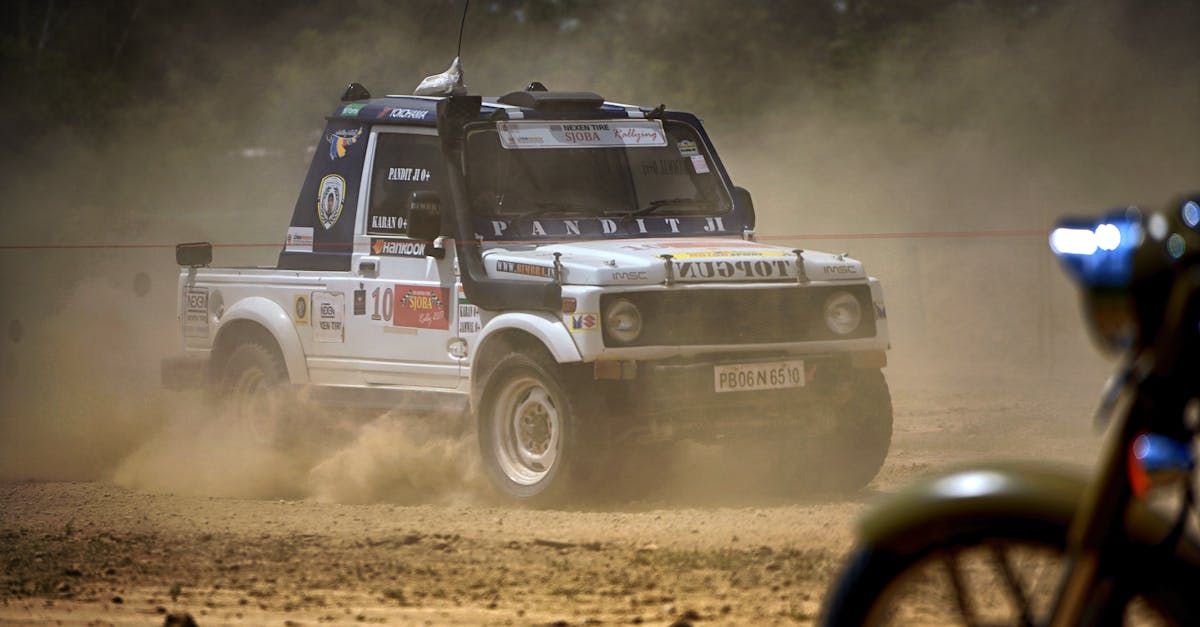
82	402
970	126
966	125
398	459
330	458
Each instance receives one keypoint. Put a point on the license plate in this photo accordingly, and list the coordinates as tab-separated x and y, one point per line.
769	375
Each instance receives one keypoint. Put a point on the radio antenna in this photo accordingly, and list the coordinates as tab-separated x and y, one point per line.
461	26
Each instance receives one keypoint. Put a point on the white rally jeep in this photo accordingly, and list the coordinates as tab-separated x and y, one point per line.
580	276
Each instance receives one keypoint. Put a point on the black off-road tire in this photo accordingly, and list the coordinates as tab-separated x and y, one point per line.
531	431
253	388
850	457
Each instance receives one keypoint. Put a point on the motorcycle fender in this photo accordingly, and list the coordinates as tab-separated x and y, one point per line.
1044	493
919	515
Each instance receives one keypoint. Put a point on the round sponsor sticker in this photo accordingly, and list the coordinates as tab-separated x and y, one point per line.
329	200
301	308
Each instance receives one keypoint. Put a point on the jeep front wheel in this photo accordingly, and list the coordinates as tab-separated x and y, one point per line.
853	454
528	429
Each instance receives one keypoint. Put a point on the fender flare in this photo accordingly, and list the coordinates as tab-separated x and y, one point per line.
271	316
548	329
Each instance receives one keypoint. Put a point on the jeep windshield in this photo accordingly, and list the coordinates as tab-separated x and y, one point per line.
616	169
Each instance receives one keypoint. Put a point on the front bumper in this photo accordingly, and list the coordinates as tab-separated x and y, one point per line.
673	399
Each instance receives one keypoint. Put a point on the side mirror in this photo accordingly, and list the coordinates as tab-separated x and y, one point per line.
193	254
424	216
741	198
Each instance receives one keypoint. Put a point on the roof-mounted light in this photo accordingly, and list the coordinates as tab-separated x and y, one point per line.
355	92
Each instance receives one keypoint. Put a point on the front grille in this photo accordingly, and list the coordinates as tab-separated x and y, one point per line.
742	316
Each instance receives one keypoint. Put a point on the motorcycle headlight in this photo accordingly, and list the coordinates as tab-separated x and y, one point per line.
1099	256
623	321
842	313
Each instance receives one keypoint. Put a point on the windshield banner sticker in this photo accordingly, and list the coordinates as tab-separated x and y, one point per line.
581	134
501	230
421	307
329	200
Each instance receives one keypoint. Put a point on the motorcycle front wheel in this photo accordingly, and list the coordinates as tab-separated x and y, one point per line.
990	572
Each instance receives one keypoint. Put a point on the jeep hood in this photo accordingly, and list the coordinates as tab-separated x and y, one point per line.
644	261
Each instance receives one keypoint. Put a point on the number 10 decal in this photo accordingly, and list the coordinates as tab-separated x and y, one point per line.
388	304
414	306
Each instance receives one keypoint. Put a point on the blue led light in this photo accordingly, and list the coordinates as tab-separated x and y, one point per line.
1099	253
1176	246
1191	214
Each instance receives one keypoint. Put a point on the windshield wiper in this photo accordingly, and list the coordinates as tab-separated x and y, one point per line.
566	209
655	205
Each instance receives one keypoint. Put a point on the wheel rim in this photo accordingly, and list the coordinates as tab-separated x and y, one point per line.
254	403
527	429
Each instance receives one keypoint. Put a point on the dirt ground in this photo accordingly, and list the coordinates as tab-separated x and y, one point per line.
103	552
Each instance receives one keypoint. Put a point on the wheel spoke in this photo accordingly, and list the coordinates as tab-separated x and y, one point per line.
1012	584
950	561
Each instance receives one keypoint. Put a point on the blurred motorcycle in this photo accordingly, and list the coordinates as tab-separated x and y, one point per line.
1044	544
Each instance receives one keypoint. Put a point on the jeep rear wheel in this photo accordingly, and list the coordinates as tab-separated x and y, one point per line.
528	430
252	385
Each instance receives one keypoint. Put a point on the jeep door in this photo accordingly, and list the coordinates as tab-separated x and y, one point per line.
400	303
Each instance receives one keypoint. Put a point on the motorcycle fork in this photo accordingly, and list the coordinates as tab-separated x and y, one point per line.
1084	595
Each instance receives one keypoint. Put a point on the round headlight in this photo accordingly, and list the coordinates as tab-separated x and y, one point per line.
623	321
842	313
